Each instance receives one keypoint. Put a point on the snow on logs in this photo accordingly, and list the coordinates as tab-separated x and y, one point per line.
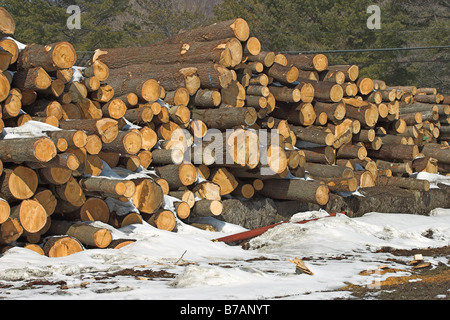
165	132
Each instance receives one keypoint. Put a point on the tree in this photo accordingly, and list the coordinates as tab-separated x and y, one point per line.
323	25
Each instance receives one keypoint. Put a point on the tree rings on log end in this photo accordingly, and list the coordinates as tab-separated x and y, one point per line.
64	55
320	62
241	29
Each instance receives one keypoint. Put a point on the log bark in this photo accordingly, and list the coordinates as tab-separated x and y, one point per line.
207	208
10	231
126	142
31	215
404	183
313	135
61	246
438	152
325	91
327	171
226	52
162	220
7	24
87	234
221	30
107	129
308	62
32	79
296	189
226	118
178	176
19	183
394	152
50	57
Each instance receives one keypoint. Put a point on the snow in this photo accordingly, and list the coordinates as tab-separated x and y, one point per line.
335	249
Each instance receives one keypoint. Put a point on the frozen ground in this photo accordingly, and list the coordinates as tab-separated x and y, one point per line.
335	249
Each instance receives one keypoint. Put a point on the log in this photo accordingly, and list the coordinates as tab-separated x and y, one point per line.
61	246
350	151
207	208
404	183
105	186
88	235
10	231
5	87
32	79
225	179
309	62
284	74
118	244
121	221
323	155
19	183
226	118
107	129
325	91
7	24
31	215
313	135
340	184
178	175
367	115
226	52
438	152
126	142
186	196
5	211
207	190
394	152
162	220
207	98
335	111
296	190
221	30
302	114
148	196
327	171
365	179
351	72
182	209
71	192
50	57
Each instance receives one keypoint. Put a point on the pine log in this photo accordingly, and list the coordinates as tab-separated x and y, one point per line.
182	209
365	179
367	115
5	87
19	183
339	184
226	52
325	91
71	192
148	196
313	135
185	196
162	220
394	152
11	107
207	208
309	62
226	118
221	30
351	72
327	171
88	235
126	142
405	183
30	214
207	190
438	152
105	186
267	58
170	77
324	155
177	176
61	246
296	190
7	24
32	79
5	211
50	57
350	151
335	111
207	98
284	74
10	231
107	129
395	168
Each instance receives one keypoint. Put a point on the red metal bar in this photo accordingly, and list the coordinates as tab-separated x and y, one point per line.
257	232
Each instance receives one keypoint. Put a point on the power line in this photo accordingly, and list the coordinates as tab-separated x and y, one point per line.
367	50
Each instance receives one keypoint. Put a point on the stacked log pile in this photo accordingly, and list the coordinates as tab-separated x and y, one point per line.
124	140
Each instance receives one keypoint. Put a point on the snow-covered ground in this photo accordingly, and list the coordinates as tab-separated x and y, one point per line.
335	249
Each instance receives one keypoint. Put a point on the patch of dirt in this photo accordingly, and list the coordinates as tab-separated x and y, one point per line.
428	283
